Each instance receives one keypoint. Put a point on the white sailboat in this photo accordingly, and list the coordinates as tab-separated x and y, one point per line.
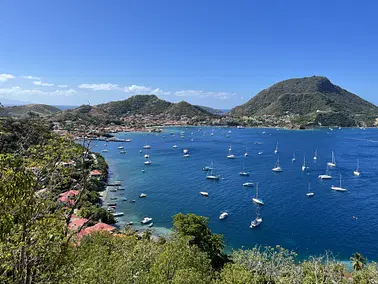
246	152
256	199
147	156
211	174
277	167
304	167
230	155
276	149
257	221
333	162
316	155
357	171
293	159
338	188
242	172
326	175
309	193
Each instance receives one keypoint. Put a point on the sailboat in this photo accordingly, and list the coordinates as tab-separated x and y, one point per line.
256	199
333	162
316	155
211	174
338	188
357	171
293	159
276	149
147	156
277	167
304	167
326	175
207	168
146	146
246	152
230	155
309	193
257	221
243	173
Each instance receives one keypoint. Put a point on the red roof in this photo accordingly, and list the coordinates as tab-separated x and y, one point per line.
67	197
96	173
70	193
77	222
96	228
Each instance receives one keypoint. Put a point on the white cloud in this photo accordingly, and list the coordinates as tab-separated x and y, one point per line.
62	86
203	94
99	87
39	83
135	89
6	77
141	90
31	78
20	92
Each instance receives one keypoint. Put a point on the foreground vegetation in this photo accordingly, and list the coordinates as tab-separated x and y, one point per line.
36	245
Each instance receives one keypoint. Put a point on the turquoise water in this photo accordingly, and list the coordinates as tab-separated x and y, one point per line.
310	226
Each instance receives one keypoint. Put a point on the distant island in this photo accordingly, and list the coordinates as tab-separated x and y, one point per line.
298	103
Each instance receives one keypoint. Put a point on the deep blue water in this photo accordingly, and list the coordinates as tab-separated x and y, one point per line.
310	226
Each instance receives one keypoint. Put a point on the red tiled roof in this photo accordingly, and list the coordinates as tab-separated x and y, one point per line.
77	222
96	173
67	197
96	228
70	193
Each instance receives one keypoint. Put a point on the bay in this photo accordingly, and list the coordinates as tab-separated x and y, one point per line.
341	222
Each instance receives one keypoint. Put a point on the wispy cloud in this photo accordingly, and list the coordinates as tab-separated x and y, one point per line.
39	83
62	86
31	78
20	92
99	87
135	89
6	77
203	94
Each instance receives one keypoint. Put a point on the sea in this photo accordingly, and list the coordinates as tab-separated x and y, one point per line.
339	222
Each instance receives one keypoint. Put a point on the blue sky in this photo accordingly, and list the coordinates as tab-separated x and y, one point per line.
213	53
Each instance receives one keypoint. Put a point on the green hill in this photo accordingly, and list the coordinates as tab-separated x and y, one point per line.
28	110
312	100
135	105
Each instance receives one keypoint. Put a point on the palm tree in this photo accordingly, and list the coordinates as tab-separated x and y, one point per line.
358	261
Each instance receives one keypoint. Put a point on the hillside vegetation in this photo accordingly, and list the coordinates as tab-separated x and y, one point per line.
29	110
314	99
135	105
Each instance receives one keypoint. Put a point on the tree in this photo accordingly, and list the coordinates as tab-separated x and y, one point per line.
196	227
358	261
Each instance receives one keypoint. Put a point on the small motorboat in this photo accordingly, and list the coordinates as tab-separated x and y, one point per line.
204	193
248	184
223	215
118	214
148	162
142	195
150	225
146	220
130	223
174	146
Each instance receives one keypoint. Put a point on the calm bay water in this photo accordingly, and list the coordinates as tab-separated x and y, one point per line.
310	226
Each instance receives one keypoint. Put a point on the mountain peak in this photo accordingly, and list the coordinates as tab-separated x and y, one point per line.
306	96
